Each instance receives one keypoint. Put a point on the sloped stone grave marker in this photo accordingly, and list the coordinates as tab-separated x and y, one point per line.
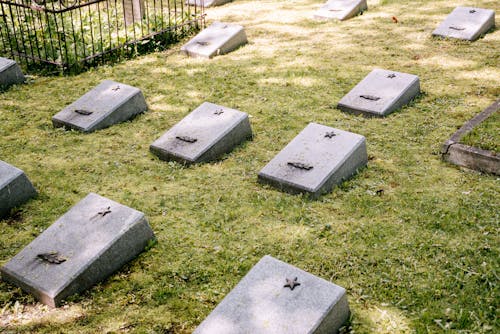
278	298
467	23
107	104
341	9
15	188
207	3
380	93
88	243
217	39
316	160
204	135
10	73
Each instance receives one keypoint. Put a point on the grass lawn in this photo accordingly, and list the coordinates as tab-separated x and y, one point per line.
486	134
422	257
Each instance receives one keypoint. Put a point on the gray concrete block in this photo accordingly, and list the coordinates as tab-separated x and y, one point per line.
207	3
10	73
93	239
340	9
380	93
15	188
467	23
316	160
217	39
261	304
107	104
204	135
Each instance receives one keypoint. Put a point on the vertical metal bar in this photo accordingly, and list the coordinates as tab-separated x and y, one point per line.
109	25
40	24
82	32
75	44
9	38
57	34
49	28
101	44
28	35
35	34
91	30
133	19
146	10
63	37
18	48
161	10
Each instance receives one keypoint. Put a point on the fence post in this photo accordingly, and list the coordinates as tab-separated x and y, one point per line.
133	11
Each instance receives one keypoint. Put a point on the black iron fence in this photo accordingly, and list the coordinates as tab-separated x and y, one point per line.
73	34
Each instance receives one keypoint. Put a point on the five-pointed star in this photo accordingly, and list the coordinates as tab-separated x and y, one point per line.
291	283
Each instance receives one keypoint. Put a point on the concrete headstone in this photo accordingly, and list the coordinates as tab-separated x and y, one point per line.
207	3
205	134
380	93
217	39
10	73
316	160
15	188
467	23
340	9
277	298
83	247
108	103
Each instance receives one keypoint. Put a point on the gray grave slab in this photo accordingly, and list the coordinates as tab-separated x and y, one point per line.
15	188
204	135
95	237
317	159
207	3
261	304
340	9
10	73
108	103
217	39
380	93
467	23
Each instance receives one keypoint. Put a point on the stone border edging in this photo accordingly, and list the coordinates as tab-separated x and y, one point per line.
468	156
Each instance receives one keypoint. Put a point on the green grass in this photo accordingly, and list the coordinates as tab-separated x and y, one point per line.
423	257
485	135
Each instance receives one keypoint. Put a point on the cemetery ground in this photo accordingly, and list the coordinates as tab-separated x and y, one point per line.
414	240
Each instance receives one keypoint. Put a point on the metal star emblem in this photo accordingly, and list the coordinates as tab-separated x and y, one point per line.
330	134
392	75
53	257
105	211
291	283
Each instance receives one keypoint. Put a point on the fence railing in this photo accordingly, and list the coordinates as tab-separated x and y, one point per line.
73	34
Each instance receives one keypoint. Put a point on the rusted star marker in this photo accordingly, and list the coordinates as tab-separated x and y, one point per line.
53	257
291	283
104	211
330	134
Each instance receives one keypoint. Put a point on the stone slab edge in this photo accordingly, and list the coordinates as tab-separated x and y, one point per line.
358	10
488	25
90	271
468	156
409	94
12	76
215	151
328	183
207	3
19	180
